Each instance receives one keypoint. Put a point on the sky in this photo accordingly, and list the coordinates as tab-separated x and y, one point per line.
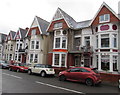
20	13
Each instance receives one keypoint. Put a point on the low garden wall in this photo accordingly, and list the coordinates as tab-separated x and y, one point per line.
113	78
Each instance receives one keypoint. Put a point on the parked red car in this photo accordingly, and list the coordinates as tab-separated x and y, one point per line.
19	67
82	74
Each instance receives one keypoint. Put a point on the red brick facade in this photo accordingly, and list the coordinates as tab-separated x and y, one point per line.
65	26
37	31
105	10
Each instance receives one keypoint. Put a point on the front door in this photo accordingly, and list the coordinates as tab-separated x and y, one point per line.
77	61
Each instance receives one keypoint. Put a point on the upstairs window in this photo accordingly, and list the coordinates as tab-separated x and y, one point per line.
57	43
104	18
20	46
33	32
105	40
32	44
115	40
87	41
11	47
64	42
58	25
37	44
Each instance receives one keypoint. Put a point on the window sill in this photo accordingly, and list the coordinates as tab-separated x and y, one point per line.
57	28
104	21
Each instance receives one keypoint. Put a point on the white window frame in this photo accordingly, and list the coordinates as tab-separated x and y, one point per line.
104	17
116	59
116	40
61	39
32	45
60	59
33	60
105	37
35	43
33	32
58	25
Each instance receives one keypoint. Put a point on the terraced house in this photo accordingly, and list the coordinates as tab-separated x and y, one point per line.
90	43
106	28
36	39
20	47
2	45
67	40
9	50
65	43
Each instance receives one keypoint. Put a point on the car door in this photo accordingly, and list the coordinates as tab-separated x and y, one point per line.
14	66
73	74
36	68
84	73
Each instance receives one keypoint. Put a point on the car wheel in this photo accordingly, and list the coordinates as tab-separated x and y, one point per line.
10	69
29	72
18	70
62	78
89	82
43	74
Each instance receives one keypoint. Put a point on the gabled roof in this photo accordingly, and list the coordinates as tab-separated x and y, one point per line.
3	37
104	4
22	33
70	21
43	24
12	34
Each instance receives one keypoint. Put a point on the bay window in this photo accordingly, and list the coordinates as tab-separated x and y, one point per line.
56	60
32	44
63	60
96	41
31	57
57	43
114	40
60	42
63	42
114	63
105	62
37	44
105	40
59	60
36	58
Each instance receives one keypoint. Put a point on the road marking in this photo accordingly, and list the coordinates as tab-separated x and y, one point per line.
59	87
12	75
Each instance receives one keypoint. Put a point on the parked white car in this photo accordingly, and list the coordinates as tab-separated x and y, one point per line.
41	69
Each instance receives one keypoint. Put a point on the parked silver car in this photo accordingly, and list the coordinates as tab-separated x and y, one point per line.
4	64
41	69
